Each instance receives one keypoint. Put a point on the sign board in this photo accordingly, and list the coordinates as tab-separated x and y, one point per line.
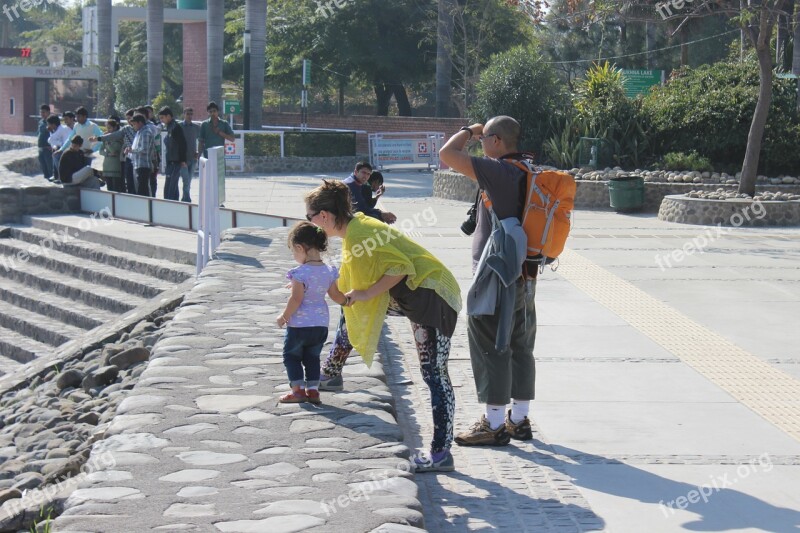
786	76
232	107
638	82
306	72
15	52
55	55
234	153
405	150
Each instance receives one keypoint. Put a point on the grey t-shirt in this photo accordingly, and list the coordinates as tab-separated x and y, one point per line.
502	182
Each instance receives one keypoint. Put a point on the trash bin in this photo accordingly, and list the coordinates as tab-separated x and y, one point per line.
627	193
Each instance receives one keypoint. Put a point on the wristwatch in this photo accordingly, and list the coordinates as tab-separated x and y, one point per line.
467	128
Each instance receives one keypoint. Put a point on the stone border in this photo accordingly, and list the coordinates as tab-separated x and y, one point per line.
591	194
96	338
731	212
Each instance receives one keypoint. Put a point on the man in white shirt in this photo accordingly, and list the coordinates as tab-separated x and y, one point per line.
85	128
59	134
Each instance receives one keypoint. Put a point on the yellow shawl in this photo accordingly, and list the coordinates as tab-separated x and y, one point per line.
372	249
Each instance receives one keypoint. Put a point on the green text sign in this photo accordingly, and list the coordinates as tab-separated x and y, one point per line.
232	107
638	82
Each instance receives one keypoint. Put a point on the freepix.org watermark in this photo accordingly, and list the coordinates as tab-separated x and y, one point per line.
24	5
326	8
717	483
44	495
55	240
698	244
663	8
386	235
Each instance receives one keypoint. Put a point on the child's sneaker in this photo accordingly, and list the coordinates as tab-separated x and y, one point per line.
435	462
298	395
520	431
313	396
331	383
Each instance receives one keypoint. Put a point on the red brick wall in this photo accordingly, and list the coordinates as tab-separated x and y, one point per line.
195	69
12	88
368	123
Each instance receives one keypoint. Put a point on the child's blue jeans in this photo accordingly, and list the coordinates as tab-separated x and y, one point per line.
301	350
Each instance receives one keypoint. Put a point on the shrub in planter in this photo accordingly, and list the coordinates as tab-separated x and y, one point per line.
690	161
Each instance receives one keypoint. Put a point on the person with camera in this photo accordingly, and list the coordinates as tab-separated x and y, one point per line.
355	182
504	372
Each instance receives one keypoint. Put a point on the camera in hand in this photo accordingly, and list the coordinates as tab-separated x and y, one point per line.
469	225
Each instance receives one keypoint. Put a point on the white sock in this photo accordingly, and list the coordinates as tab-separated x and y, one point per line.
519	410
495	414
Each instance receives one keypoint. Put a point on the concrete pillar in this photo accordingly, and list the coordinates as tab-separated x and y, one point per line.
12	88
195	69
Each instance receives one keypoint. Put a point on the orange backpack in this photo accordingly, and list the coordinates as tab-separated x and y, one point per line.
547	211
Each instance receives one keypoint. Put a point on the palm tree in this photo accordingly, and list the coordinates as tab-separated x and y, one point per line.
106	98
155	47
256	21
444	60
215	24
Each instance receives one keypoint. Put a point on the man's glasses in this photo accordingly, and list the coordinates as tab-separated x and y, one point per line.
309	217
484	137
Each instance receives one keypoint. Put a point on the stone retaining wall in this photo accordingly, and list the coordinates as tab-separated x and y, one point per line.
17	202
278	165
590	194
737	213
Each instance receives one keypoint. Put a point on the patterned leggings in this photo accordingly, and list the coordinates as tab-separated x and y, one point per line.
434	350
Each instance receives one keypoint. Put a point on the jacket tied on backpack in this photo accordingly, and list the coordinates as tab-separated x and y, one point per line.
494	287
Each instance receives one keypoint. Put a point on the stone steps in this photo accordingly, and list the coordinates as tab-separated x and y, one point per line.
92	294
118	243
20	348
170	272
8	366
70	312
38	327
128	281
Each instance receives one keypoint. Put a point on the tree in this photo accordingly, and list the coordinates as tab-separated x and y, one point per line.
256	22
215	25
155	47
521	84
106	97
444	60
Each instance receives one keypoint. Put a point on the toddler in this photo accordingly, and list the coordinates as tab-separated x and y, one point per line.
306	312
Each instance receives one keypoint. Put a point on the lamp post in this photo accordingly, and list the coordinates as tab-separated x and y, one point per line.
116	58
246	92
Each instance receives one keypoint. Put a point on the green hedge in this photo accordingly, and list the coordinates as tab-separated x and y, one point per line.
709	109
301	144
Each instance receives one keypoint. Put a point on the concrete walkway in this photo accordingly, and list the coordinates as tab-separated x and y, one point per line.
667	395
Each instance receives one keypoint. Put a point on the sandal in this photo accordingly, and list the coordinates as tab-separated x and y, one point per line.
313	396
298	395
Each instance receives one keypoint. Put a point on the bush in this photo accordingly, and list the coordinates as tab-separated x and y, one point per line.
690	161
301	144
521	85
709	110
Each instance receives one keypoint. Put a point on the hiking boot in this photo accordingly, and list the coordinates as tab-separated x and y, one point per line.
481	434
428	463
521	431
331	383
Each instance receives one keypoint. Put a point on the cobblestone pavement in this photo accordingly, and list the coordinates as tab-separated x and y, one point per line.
202	444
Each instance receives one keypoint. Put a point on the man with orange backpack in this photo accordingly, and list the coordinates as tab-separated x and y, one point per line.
502	334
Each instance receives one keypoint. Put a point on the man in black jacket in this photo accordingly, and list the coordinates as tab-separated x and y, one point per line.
72	160
175	142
